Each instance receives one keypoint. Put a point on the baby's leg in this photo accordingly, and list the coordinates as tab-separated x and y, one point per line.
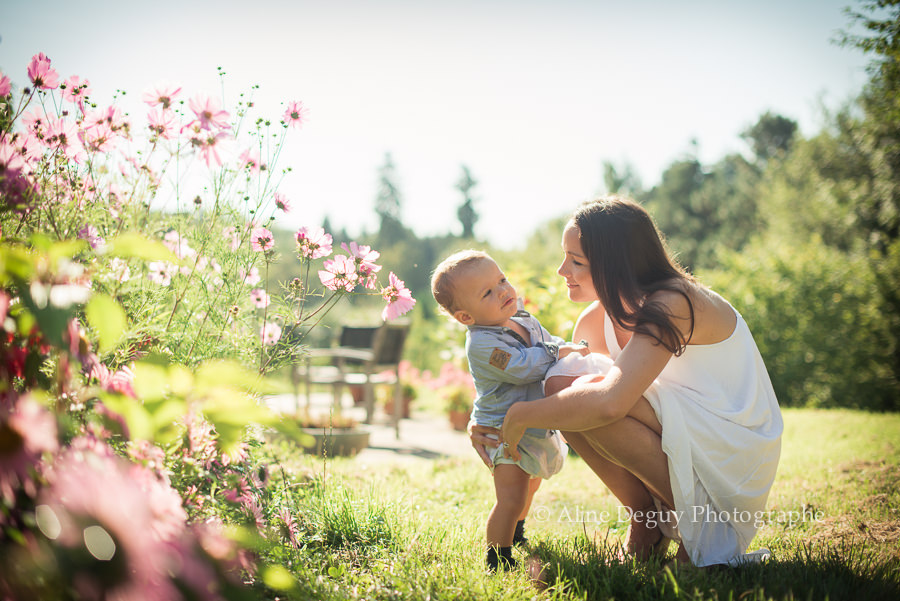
556	383
511	485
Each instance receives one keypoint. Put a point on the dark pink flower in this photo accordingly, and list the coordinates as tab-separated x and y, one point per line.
41	74
209	113
282	202
398	297
295	115
291	532
339	274
261	239
5	85
162	94
313	243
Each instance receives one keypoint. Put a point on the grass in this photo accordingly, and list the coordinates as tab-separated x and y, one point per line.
415	530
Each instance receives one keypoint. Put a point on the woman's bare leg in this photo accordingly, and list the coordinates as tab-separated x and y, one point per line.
628	458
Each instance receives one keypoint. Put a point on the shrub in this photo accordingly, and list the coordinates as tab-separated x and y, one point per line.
819	321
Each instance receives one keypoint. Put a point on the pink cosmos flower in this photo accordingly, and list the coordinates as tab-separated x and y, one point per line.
250	278
290	530
161	272
98	137
230	233
295	115
76	90
27	431
27	145
90	233
134	524
261	239
209	113
282	202
339	273
249	159
179	245
270	333
63	136
162	123
209	148
364	257
259	298
36	121
112	116
5	85
163	94
40	73
119	269
398	297
313	243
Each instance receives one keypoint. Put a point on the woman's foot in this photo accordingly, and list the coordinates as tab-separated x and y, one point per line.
644	538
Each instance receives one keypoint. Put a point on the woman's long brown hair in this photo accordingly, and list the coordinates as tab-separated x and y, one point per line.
628	262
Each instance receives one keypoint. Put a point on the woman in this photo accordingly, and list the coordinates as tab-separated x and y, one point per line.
685	429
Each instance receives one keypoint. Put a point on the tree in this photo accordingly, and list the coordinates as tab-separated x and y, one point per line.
627	182
770	137
466	213
703	210
388	203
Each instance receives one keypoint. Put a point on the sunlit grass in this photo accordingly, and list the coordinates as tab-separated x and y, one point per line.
414	530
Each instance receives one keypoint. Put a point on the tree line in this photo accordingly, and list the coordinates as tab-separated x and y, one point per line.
802	235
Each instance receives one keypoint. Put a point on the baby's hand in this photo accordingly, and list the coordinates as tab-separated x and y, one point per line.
565	349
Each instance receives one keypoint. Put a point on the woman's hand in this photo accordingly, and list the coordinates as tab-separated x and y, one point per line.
510	434
480	440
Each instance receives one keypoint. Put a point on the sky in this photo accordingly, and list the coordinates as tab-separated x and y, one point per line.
531	95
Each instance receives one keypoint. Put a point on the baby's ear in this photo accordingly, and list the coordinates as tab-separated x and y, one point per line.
463	317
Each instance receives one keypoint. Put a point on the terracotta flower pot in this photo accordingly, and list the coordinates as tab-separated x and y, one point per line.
459	420
337	442
389	407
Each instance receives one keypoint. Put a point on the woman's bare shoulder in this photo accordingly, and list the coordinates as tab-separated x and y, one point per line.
713	317
590	327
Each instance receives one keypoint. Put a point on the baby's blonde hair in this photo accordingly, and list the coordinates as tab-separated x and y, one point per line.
443	278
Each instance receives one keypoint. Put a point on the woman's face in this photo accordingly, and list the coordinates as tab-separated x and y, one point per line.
575	268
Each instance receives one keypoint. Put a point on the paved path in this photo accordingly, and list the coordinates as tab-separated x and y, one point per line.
423	436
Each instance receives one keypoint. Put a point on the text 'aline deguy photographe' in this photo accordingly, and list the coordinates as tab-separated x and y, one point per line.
696	513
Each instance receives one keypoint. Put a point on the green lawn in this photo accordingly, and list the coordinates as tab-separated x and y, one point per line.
415	531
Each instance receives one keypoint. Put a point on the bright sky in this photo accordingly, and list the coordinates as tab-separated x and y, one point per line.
531	95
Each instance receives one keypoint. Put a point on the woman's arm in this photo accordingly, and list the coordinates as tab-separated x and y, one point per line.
597	404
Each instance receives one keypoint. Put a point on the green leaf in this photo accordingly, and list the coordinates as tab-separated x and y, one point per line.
151	381
107	318
278	578
215	374
135	246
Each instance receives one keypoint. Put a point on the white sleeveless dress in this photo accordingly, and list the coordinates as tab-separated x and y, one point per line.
721	431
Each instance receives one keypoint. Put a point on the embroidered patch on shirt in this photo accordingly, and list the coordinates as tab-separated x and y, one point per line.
500	358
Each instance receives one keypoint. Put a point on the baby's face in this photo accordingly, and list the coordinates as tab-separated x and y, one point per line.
484	296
